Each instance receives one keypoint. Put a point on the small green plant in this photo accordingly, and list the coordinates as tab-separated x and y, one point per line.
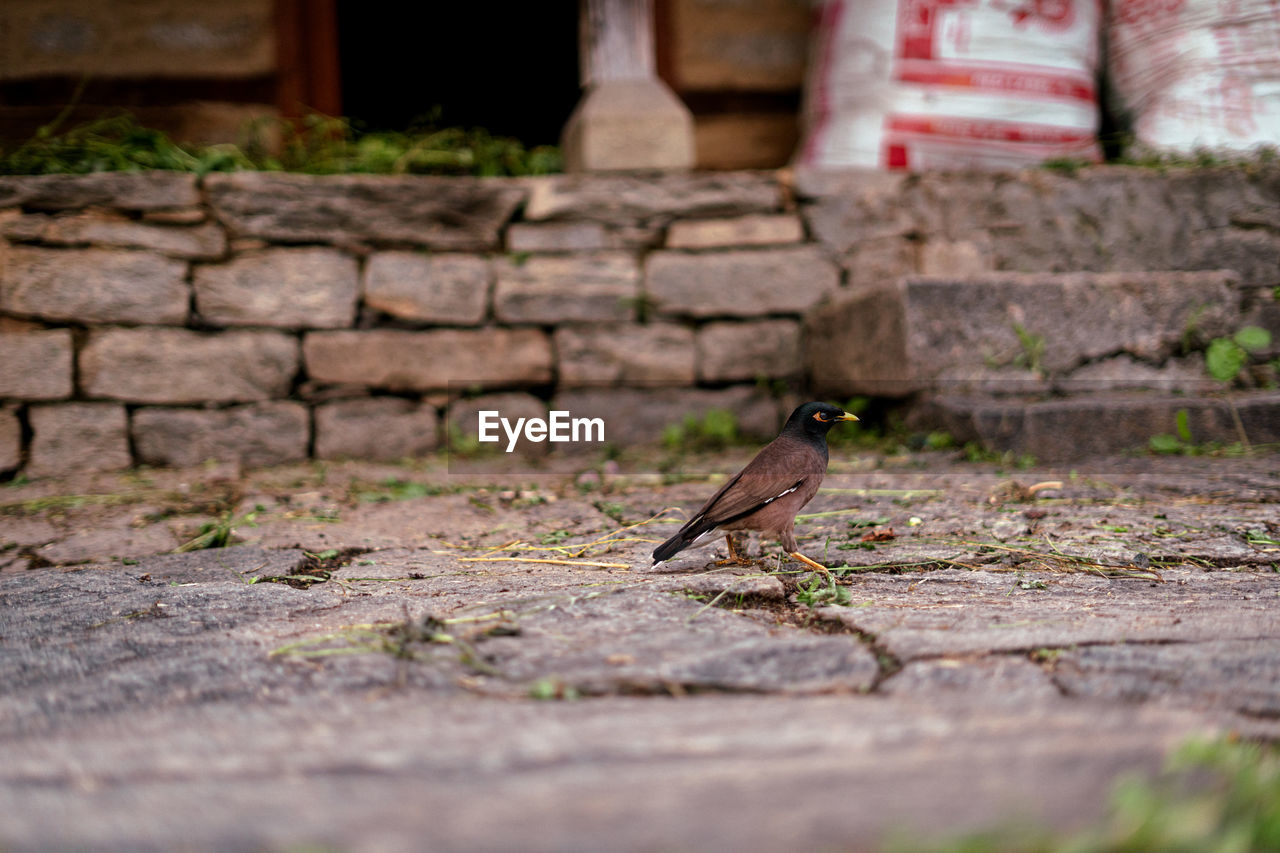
615	511
1032	355
1174	444
395	489
549	689
820	591
317	144
216	534
972	451
1226	357
1214	795
939	440
554	537
715	430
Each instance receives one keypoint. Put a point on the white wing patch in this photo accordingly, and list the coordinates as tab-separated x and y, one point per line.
780	494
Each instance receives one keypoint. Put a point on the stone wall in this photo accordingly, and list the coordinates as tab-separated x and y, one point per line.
165	319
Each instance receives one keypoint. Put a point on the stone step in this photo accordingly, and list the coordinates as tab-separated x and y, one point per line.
1072	428
1015	333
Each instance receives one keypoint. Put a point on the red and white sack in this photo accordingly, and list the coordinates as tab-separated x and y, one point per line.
949	84
1197	73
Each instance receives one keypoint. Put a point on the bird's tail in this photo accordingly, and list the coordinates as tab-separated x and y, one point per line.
685	537
671	547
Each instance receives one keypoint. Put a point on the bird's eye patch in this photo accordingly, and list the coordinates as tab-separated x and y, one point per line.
818	416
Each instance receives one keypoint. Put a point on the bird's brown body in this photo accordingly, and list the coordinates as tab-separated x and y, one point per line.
767	494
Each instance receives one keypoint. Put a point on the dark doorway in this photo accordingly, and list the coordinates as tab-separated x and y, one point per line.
511	68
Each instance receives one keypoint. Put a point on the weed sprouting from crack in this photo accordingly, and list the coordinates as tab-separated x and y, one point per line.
408	640
316	568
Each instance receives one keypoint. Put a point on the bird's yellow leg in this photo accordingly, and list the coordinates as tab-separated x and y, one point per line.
797	556
734	558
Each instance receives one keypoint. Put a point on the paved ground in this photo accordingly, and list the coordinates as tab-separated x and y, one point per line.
393	658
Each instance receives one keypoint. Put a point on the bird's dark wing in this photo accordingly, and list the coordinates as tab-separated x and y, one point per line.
781	467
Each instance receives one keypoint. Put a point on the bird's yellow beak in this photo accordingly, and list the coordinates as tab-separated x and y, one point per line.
845	416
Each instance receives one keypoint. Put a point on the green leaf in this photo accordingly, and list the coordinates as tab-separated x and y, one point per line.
1165	443
1253	338
1181	422
1224	358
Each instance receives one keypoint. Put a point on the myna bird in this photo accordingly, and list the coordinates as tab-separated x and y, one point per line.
767	494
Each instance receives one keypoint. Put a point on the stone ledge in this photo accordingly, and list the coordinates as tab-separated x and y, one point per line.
1009	328
445	213
140	191
198	241
635	199
1062	430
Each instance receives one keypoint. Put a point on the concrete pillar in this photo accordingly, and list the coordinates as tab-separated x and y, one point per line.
627	118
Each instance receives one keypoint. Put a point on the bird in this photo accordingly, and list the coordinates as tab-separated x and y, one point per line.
770	490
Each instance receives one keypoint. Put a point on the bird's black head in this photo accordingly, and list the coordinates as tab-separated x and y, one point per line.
816	419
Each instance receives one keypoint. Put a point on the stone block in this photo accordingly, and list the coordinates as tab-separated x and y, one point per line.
596	288
657	353
311	288
743	283
10	439
638	416
638	199
626	125
140	191
181	366
204	241
71	438
256	435
449	289
857	344
37	364
93	285
956	258
758	229
945	332
1062	430
1124	373
378	428
395	360
880	262
851	207
1251	254
735	352
444	213
559	237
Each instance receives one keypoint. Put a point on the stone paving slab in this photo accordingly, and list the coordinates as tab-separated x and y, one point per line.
393	658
